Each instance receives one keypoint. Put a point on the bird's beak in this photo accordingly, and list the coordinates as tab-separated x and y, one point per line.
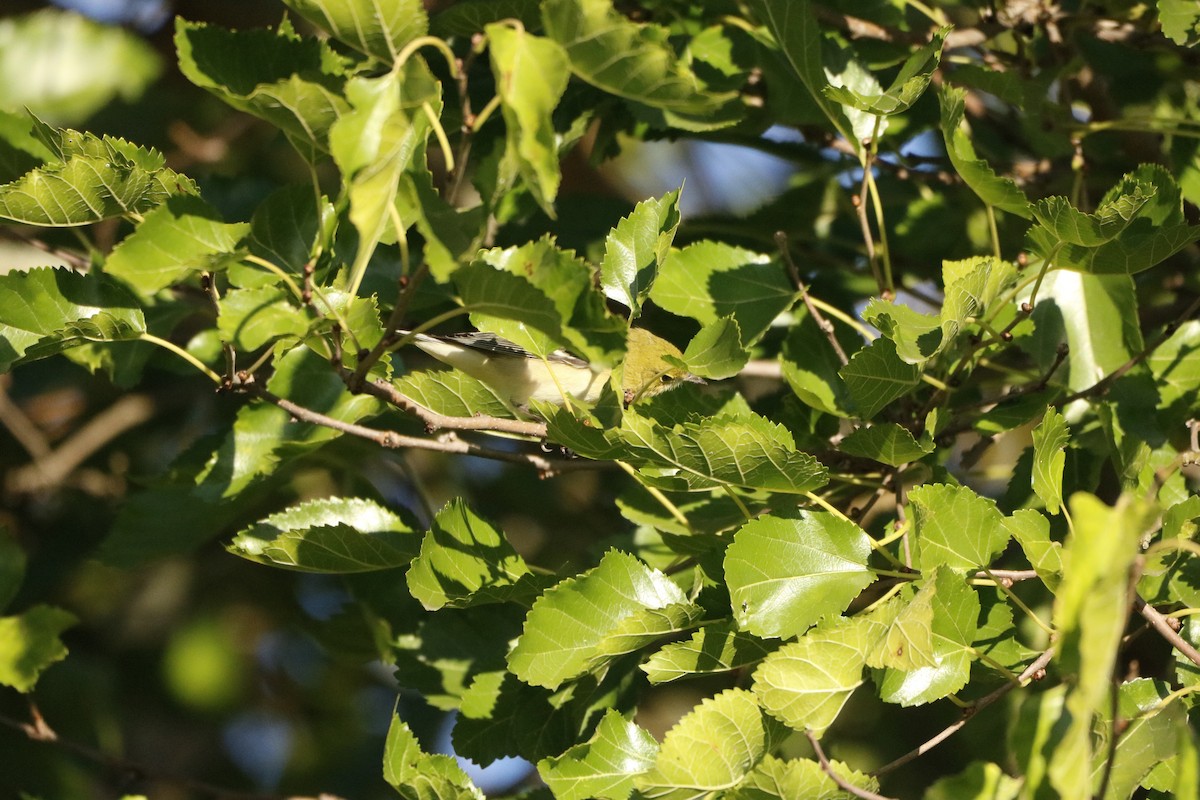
690	378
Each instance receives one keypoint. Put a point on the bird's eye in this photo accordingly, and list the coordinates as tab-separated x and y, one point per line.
666	379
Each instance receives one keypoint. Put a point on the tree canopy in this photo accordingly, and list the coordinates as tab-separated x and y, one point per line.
927	527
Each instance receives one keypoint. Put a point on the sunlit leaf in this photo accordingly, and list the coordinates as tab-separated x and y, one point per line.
787	574
583	622
334	535
29	643
603	767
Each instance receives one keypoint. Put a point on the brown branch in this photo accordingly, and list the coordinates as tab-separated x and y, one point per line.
434	421
826	327
842	783
37	730
446	443
1034	671
1163	626
53	468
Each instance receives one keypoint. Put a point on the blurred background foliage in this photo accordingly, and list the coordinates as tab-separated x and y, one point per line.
208	666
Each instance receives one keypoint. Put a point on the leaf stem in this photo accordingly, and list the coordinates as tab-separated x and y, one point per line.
662	499
184	354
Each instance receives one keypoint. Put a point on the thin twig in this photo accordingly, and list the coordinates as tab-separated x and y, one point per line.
781	241
434	421
446	443
1163	626
842	783
1033	672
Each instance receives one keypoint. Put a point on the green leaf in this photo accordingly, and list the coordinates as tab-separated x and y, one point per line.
956	527
1139	223
979	781
250	318
501	716
450	235
604	766
453	393
744	452
810	367
1175	365
909	84
65	67
46	311
345	534
712	748
376	143
901	630
710	280
629	60
182	236
586	621
992	189
798	35
1039	724
465	19
785	575
1090	610
1180	21
712	649
417	775
1071	226
12	567
510	306
918	336
716	350
635	249
90	179
955	607
1097	317
286	225
972	286
876	376
20	150
297	85
264	436
376	29
1150	736
776	779
465	561
568	282
806	683
29	643
531	75
887	443
1050	439
1032	532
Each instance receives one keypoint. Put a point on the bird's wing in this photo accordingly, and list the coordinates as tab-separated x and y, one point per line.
491	343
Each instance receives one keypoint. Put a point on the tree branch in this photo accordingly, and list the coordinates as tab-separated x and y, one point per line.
1163	626
447	443
842	783
1034	671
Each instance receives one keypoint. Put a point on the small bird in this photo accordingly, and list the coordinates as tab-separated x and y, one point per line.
521	376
